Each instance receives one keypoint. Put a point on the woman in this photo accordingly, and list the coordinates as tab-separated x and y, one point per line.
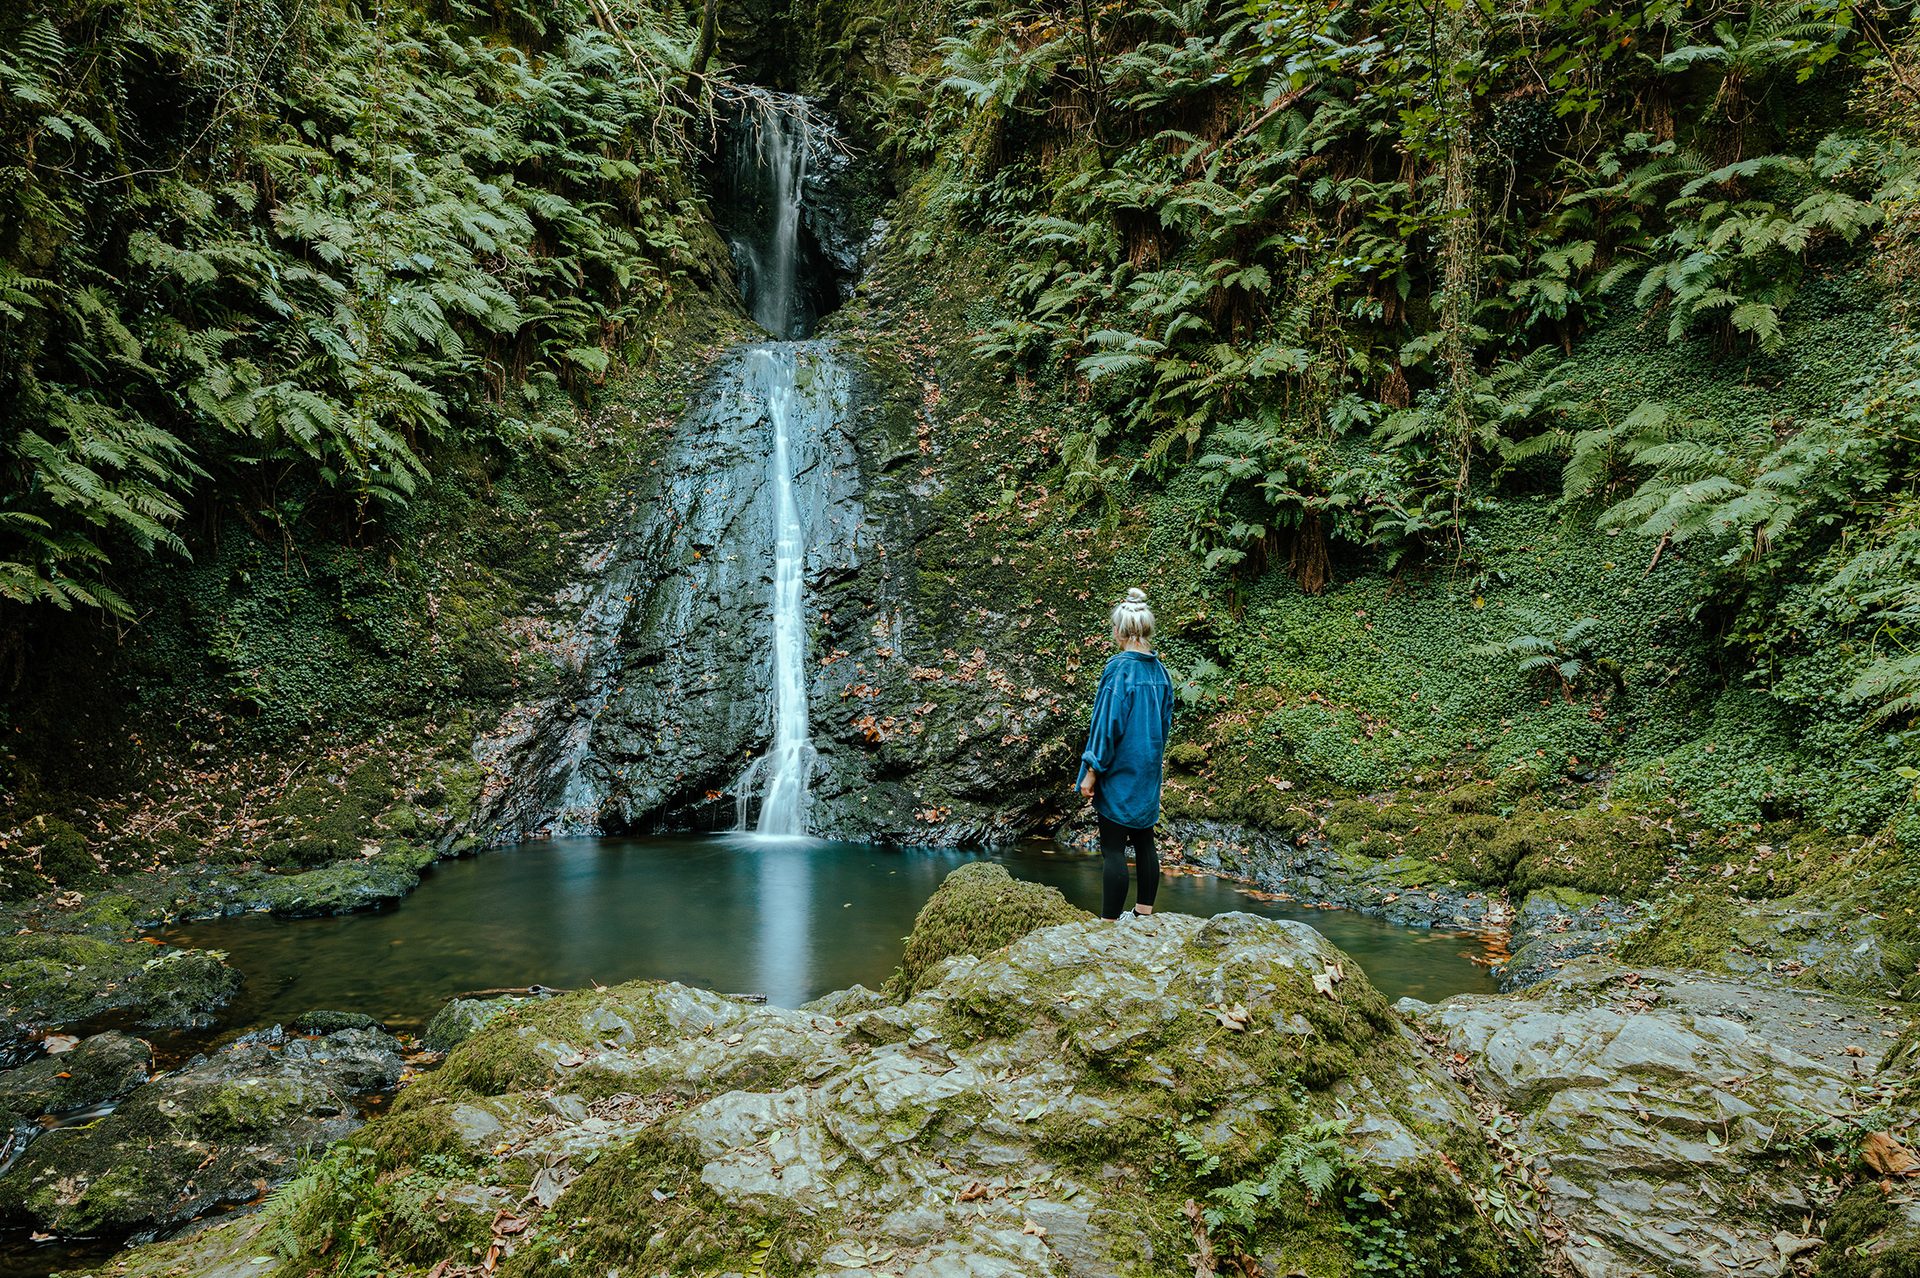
1120	771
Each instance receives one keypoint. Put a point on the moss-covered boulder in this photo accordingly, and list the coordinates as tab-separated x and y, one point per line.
1049	1107
56	978
978	909
101	1068
214	1134
346	887
1664	1108
460	1019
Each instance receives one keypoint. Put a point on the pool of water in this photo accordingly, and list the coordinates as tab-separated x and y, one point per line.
790	920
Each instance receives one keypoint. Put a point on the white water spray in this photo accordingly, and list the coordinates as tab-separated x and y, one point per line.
783	770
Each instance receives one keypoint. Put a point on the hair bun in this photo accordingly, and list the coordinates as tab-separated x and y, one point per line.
1135	595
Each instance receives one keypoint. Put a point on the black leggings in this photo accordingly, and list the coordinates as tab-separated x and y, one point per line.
1113	880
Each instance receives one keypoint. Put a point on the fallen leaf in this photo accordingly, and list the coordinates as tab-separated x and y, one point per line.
1888	1156
1035	1230
1234	1018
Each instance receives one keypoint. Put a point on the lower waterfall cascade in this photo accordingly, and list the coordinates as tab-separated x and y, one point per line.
781	774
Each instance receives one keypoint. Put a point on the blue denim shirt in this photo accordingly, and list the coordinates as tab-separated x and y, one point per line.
1132	715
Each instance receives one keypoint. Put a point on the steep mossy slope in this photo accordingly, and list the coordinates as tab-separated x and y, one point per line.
1529	576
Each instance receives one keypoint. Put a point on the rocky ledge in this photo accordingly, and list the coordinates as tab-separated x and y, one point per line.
1149	1097
216	1133
1675	1121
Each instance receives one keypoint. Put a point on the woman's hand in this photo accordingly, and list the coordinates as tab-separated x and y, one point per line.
1086	784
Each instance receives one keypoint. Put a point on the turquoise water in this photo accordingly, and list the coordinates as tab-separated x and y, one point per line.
790	920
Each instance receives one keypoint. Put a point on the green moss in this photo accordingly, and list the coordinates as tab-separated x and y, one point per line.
342	888
1866	1237
1602	848
326	820
1687	929
57	978
115	912
518	1049
642	1208
978	909
412	1134
1186	756
62	852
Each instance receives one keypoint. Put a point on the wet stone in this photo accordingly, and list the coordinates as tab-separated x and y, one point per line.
213	1134
102	1068
1653	1099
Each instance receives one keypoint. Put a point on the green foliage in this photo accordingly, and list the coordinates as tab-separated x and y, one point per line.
351	1209
1544	646
288	257
1310	1160
1257	234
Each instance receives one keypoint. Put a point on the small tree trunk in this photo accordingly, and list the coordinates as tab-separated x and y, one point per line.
1459	253
709	37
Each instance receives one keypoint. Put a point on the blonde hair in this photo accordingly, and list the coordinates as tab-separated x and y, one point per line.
1132	619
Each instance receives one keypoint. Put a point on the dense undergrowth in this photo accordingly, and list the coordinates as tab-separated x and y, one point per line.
282	261
1486	389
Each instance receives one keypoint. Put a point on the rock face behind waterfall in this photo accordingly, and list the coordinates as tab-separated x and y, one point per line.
1015	1117
672	691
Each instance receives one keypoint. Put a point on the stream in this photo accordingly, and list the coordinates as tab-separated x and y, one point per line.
787	919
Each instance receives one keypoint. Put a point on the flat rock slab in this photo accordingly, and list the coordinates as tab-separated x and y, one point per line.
1658	1104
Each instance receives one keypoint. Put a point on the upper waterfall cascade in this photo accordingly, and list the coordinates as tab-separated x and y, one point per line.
779	149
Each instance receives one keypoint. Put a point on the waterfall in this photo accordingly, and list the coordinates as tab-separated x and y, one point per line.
769	178
771	145
781	773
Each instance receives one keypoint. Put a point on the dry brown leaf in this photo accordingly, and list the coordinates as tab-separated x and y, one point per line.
1888	1156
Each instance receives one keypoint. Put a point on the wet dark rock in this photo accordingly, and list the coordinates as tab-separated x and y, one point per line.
326	1022
218	1132
1555	926
670	691
1399	889
101	1068
844	196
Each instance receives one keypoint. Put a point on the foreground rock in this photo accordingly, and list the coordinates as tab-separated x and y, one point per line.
52	979
1672	1112
219	1132
1049	1108
98	1070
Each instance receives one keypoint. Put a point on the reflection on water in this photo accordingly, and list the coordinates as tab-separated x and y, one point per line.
789	919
